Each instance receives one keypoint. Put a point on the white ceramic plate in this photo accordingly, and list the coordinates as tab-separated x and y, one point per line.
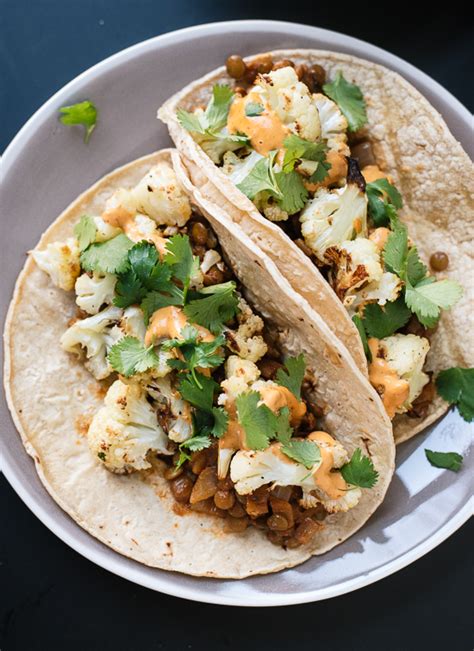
47	165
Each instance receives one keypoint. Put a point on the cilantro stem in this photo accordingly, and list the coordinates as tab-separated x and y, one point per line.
193	373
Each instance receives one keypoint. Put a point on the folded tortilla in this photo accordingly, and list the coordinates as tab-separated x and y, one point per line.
52	398
413	144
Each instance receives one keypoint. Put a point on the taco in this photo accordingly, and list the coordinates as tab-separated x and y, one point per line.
331	164
181	402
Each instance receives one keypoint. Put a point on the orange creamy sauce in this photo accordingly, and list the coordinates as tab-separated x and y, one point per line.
379	237
168	322
266	131
373	173
332	483
336	172
121	218
385	380
278	397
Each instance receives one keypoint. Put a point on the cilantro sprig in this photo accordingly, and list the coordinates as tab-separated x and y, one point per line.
381	322
298	149
382	198
291	376
424	295
456	386
260	423
260	178
214	306
360	471
447	460
107	257
304	451
84	113
350	100
129	356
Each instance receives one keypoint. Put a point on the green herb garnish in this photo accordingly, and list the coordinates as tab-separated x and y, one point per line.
360	471
305	452
129	356
350	100
456	386
446	460
84	113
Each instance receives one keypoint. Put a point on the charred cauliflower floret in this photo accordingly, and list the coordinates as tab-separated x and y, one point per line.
96	335
333	124
247	341
175	414
291	101
94	291
160	196
382	291
355	262
125	430
406	355
332	217
60	260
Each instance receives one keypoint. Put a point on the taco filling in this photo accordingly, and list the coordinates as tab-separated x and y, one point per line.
295	145
195	386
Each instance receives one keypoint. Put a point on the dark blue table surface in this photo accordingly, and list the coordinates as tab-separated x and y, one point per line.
50	597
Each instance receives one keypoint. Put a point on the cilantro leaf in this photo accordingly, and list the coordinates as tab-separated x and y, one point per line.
382	322
142	258
221	420
359	324
320	172
350	100
261	177
360	471
85	231
456	386
293	190
253	109
218	305
305	452
214	117
180	256
190	121
196	443
283	429
257	420
396	250
378	206
415	270
107	257
447	460
82	113
129	356
292	376
200	397
297	148
156	300
195	354
428	297
129	289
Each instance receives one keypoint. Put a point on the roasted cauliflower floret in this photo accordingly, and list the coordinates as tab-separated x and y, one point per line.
160	196
355	262
175	413
246	342
94	291
105	231
240	374
291	101
385	290
406	355
96	334
332	217
60	260
250	469
333	124
125	430
133	323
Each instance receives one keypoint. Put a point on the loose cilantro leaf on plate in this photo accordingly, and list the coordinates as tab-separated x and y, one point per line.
85	231
305	452
429	297
129	356
456	386
253	109
84	113
107	257
359	324
294	193
379	207
350	100
219	304
292	375
382	322
360	471
261	177
447	460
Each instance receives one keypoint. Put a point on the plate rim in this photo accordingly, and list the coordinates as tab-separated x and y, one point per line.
107	558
